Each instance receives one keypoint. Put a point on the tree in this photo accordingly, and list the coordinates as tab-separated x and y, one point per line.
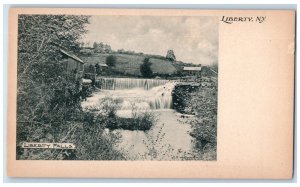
111	60
95	45
44	88
97	68
90	69
107	48
145	68
101	48
170	55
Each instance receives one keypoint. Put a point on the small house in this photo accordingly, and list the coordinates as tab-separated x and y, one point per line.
103	67
192	71
72	63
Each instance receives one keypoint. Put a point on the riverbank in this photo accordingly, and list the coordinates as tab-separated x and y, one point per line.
185	134
168	139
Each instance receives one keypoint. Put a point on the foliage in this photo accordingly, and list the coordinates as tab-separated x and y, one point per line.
214	67
102	48
156	149
140	120
111	60
204	105
122	51
86	131
89	69
144	121
129	65
210	71
109	106
93	142
170	55
98	69
181	97
145	68
48	97
86	52
40	71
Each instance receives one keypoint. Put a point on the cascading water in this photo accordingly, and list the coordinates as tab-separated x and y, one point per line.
143	94
162	96
128	83
159	97
135	96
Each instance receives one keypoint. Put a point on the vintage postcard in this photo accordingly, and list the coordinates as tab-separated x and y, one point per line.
145	93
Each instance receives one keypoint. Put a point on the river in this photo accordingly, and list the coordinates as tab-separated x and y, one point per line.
168	139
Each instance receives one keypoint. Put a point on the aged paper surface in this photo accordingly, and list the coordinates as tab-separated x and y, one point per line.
255	102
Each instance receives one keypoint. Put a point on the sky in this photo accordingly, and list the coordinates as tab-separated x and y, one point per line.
193	39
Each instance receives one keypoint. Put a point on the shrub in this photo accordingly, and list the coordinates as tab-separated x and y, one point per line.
204	104
86	52
93	142
139	120
143	121
109	106
86	129
89	69
181	96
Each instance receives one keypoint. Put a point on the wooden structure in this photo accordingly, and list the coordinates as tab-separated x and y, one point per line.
103	67
196	71
73	63
192	73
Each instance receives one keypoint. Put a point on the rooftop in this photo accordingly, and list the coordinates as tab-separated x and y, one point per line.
71	56
103	65
192	68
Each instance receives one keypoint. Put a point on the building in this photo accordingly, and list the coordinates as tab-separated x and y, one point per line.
75	65
72	63
192	71
101	68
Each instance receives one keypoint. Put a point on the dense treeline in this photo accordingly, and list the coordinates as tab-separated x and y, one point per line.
48	104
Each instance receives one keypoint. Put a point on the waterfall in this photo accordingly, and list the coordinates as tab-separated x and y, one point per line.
139	94
162	96
159	97
128	83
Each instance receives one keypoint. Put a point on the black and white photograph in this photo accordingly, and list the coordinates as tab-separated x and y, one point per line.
117	87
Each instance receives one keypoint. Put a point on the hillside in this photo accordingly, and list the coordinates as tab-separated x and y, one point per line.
130	63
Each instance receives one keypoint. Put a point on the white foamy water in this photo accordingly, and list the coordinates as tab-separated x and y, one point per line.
128	83
159	97
168	139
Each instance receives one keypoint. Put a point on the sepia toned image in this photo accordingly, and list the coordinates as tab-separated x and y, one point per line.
150	93
117	87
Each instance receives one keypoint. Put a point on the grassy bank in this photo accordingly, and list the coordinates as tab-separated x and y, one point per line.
129	64
85	129
203	104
